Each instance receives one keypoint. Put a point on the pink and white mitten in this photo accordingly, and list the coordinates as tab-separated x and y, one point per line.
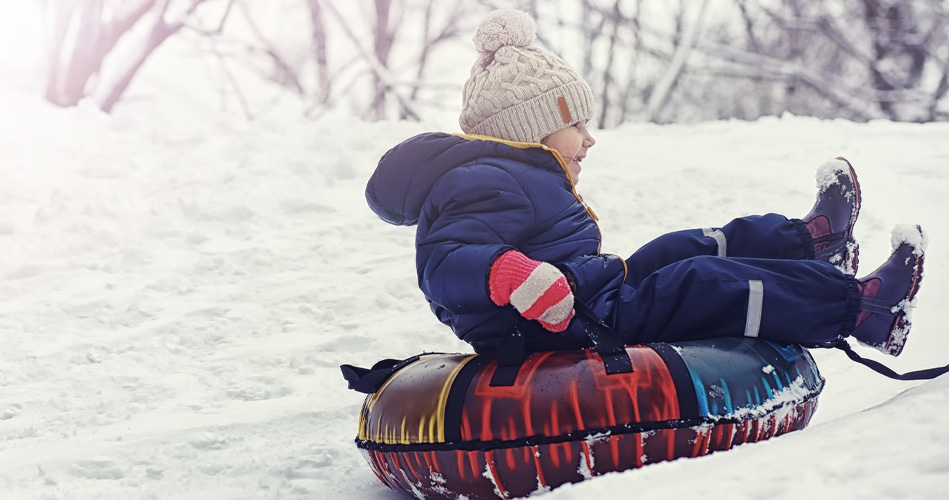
538	290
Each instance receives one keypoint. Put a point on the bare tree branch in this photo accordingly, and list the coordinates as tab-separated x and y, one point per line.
448	31
283	72
779	69
378	69
160	32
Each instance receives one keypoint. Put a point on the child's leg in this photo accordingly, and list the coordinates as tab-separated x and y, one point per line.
803	301
769	236
825	233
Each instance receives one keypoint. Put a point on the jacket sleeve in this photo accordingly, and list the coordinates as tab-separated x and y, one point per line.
474	214
594	277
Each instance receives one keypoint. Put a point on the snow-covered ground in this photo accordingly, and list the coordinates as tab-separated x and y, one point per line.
178	288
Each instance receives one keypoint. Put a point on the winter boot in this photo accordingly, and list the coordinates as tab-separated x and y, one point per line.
831	220
887	293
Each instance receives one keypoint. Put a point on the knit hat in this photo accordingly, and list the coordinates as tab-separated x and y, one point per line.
516	92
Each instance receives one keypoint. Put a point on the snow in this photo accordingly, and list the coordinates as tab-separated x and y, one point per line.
909	234
827	173
179	285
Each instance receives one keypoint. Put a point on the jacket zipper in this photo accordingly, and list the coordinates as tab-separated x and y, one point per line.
596	220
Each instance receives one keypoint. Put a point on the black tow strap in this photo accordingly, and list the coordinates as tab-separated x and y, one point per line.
927	374
369	380
512	350
606	342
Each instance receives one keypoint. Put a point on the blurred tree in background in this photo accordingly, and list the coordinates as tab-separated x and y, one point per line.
855	59
687	61
84	36
422	25
647	60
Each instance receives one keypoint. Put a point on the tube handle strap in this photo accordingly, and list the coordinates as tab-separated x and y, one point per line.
606	342
369	380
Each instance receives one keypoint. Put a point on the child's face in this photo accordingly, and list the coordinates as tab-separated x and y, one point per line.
572	142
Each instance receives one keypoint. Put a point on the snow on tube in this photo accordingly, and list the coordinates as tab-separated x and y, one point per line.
436	427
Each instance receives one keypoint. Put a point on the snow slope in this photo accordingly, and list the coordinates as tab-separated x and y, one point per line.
178	288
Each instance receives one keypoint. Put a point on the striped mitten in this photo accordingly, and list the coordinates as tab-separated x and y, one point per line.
537	290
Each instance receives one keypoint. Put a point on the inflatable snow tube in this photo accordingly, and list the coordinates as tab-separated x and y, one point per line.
458	426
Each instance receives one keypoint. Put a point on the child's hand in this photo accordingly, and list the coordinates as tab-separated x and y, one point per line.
537	290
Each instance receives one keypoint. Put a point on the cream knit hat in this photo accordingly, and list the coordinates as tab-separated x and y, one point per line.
519	93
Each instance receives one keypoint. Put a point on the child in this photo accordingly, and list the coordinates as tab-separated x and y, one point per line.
504	241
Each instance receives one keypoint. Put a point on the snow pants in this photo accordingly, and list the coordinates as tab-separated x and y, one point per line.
754	277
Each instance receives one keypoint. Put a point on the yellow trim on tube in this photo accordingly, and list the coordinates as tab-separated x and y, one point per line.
409	408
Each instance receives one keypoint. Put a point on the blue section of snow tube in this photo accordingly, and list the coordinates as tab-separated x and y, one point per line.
713	362
700	392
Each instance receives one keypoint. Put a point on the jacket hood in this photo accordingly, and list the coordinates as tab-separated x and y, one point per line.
407	173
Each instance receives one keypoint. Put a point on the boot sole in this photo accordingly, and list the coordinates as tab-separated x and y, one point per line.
897	340
851	259
856	192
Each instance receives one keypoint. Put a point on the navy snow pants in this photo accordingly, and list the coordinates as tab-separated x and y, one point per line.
754	277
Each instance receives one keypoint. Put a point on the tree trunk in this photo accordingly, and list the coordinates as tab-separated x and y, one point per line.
616	18
382	45
320	52
159	34
94	38
661	92
898	61
69	79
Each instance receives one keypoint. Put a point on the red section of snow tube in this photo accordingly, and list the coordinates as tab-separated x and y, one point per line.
437	428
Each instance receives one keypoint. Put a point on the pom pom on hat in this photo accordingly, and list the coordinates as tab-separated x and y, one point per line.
517	92
503	28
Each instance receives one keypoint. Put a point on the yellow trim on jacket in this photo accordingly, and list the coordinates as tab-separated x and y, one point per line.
563	165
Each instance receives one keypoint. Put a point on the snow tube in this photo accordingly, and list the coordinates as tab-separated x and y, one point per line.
460	426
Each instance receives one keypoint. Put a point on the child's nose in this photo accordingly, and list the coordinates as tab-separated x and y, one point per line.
589	140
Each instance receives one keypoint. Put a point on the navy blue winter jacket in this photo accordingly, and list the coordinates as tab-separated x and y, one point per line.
473	198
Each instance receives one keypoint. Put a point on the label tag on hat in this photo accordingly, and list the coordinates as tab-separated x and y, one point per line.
564	110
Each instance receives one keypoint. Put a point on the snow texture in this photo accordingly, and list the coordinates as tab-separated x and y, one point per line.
783	402
911	235
827	173
178	288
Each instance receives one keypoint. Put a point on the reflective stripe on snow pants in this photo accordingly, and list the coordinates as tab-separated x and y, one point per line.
720	240
755	304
